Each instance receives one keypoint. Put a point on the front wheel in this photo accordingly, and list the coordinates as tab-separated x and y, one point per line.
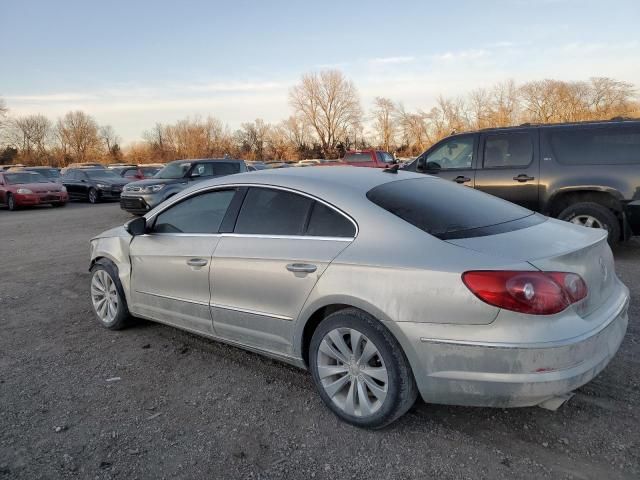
11	202
360	370
593	215
107	296
93	196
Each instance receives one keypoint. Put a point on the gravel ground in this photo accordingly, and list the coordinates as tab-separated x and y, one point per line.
79	401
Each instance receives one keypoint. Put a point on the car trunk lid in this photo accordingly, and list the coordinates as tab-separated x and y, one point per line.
559	247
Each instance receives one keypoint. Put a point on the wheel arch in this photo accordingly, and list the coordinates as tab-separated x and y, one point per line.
564	198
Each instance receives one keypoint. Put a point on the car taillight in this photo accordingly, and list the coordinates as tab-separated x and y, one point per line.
536	293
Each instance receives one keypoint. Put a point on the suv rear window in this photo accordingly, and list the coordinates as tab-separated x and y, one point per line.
449	211
595	146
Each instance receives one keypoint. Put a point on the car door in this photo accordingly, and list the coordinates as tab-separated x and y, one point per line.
69	180
265	269
170	264
452	159
3	190
510	167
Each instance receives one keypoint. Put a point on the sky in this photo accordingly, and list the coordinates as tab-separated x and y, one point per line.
131	63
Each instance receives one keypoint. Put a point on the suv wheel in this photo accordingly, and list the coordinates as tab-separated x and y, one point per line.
593	215
93	195
360	370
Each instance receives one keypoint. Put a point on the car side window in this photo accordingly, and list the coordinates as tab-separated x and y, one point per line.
452	154
197	214
267	211
71	175
326	222
508	150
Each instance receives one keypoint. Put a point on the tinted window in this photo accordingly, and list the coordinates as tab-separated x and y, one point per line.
448	211
385	157
174	170
199	214
508	150
593	146
273	212
357	157
218	168
454	153
69	175
326	222
129	172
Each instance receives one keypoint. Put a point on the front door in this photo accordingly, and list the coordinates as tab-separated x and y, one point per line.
171	263
510	167
451	159
264	271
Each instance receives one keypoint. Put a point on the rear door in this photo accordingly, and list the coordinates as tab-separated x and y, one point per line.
451	159
509	166
264	270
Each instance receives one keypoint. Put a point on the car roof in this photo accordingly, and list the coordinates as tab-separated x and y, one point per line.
343	181
616	122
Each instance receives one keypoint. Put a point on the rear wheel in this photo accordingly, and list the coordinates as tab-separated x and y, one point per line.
93	196
593	215
11	202
360	370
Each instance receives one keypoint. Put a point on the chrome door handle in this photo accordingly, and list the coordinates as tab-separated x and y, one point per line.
301	267
197	262
523	178
461	179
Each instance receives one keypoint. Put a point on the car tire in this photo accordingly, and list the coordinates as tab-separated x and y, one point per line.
594	215
111	310
387	395
93	196
11	203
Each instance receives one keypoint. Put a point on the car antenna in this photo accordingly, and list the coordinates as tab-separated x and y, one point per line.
392	169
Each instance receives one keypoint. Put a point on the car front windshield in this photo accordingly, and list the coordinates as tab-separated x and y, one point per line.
24	177
49	172
173	170
102	175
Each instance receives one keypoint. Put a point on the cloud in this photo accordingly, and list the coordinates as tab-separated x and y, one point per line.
391	60
462	55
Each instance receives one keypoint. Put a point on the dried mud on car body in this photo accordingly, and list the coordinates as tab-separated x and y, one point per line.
180	406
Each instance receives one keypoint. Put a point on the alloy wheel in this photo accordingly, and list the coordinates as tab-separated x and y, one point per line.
104	296
11	202
588	221
93	196
352	372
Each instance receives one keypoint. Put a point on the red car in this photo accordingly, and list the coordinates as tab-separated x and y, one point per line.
368	158
140	172
24	188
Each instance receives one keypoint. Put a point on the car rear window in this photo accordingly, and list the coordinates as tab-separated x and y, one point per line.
596	146
449	211
357	157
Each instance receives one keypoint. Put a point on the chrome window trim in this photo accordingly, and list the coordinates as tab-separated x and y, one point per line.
154	214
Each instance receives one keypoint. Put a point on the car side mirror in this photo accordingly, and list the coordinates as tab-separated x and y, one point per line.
421	164
433	167
137	226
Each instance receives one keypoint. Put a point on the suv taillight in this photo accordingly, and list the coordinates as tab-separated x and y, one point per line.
535	293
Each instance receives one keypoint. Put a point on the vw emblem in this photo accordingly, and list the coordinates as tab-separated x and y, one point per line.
603	268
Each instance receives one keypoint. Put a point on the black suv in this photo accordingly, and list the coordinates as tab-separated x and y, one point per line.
586	173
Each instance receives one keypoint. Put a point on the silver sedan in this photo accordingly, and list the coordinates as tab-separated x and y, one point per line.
384	284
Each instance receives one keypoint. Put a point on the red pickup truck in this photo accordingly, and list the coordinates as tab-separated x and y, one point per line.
368	158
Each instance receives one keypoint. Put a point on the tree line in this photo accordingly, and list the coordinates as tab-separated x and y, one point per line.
326	118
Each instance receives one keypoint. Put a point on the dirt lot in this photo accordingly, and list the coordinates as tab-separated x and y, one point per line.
186	407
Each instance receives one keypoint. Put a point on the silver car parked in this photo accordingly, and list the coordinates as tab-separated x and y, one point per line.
384	284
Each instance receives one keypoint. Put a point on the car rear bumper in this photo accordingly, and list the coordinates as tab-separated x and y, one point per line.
515	374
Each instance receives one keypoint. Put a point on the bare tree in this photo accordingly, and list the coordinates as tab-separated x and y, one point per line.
4	110
31	135
252	138
329	103
111	142
609	98
384	122
505	104
78	136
